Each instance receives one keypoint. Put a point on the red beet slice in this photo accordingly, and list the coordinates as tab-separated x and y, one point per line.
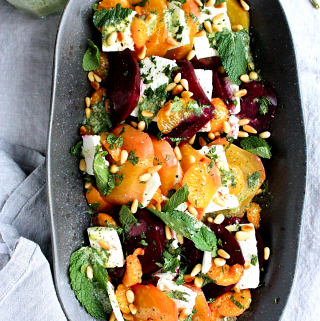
210	63
250	105
123	85
191	256
116	275
213	291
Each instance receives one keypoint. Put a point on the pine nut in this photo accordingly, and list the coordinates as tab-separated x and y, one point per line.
172	41
97	78
242	134
192	210
95	85
247	265
253	75
177	78
145	177
247	228
220	6
127	317
120	36
217	28
249	129
89	272
200	33
236	288
223	254
167	108
192	139
177	152
242	236
245	6
141	125
219	261
196	270
134	206
111	40
133	309
154	169
226	127
123	156
240	93
207	24
211	136
216	19
185	83
219	219
251	66
245	78
177	90
221	70
130	296
186	94
171	86
87	185
91	76
188	278
198	282
82	165
259	191
180	238
104	244
243	122
191	159
202	142
88	112
146	113
112	317
265	135
158	207
142	53
183	314
88	101
266	253
210	219
83	130
168	232
219	201
152	206
217	134
114	169
199	3
134	124
236	27
210	3
191	55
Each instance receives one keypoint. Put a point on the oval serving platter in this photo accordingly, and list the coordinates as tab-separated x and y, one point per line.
281	220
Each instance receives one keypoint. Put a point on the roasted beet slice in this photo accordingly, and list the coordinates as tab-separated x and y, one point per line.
153	229
250	104
213	291
190	255
116	275
210	63
123	85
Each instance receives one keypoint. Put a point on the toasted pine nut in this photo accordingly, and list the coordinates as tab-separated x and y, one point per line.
219	219
192	139
191	159
266	253
207	24
134	206
185	83
210	3
123	156
199	3
91	76
236	27
244	78
120	36
83	130
134	124
217	28
145	177
104	244
88	101
223	254
249	129
196	270
219	261
152	206
146	113
167	108
211	136
245	6
220	6
88	112
158	207
168	232
217	134
219	201
192	210
97	78
154	169
242	236
177	152
114	168
127	317
191	55
186	94
259	191
171	86
180	238
253	75
177	78
236	288
188	278
243	122
142	53
198	282
130	296
132	308
112	38
141	125
242	134
200	33
247	228
177	90
112	317
202	142
82	165
172	41
210	219
247	265
216	19
240	93
265	135
89	272
95	85
183	314
226	127
87	185
221	70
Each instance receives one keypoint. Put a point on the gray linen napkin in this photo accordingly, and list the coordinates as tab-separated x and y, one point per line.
27	291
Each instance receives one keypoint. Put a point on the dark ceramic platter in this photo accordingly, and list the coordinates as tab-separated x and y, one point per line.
286	171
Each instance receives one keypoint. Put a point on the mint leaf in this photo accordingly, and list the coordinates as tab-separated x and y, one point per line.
111	16
238	304
233	52
203	238
76	149
182	272
177	140
264	102
114	141
206	279
92	294
178	295
179	197
253	179
170	262
256	146
126	218
91	58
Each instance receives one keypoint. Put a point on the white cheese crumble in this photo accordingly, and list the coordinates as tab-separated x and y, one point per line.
206	262
202	48
90	142
205	80
234	124
151	187
114	302
232	89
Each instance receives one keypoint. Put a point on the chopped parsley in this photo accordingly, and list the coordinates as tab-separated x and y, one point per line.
237	303
76	149
264	103
227	176
177	140
256	146
206	279
132	158
143	242
178	295
254	259
253	179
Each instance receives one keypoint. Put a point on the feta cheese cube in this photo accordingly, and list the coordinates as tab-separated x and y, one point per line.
234	124
168	286
205	80
114	302
114	256
202	48
232	89
206	262
89	146
151	187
